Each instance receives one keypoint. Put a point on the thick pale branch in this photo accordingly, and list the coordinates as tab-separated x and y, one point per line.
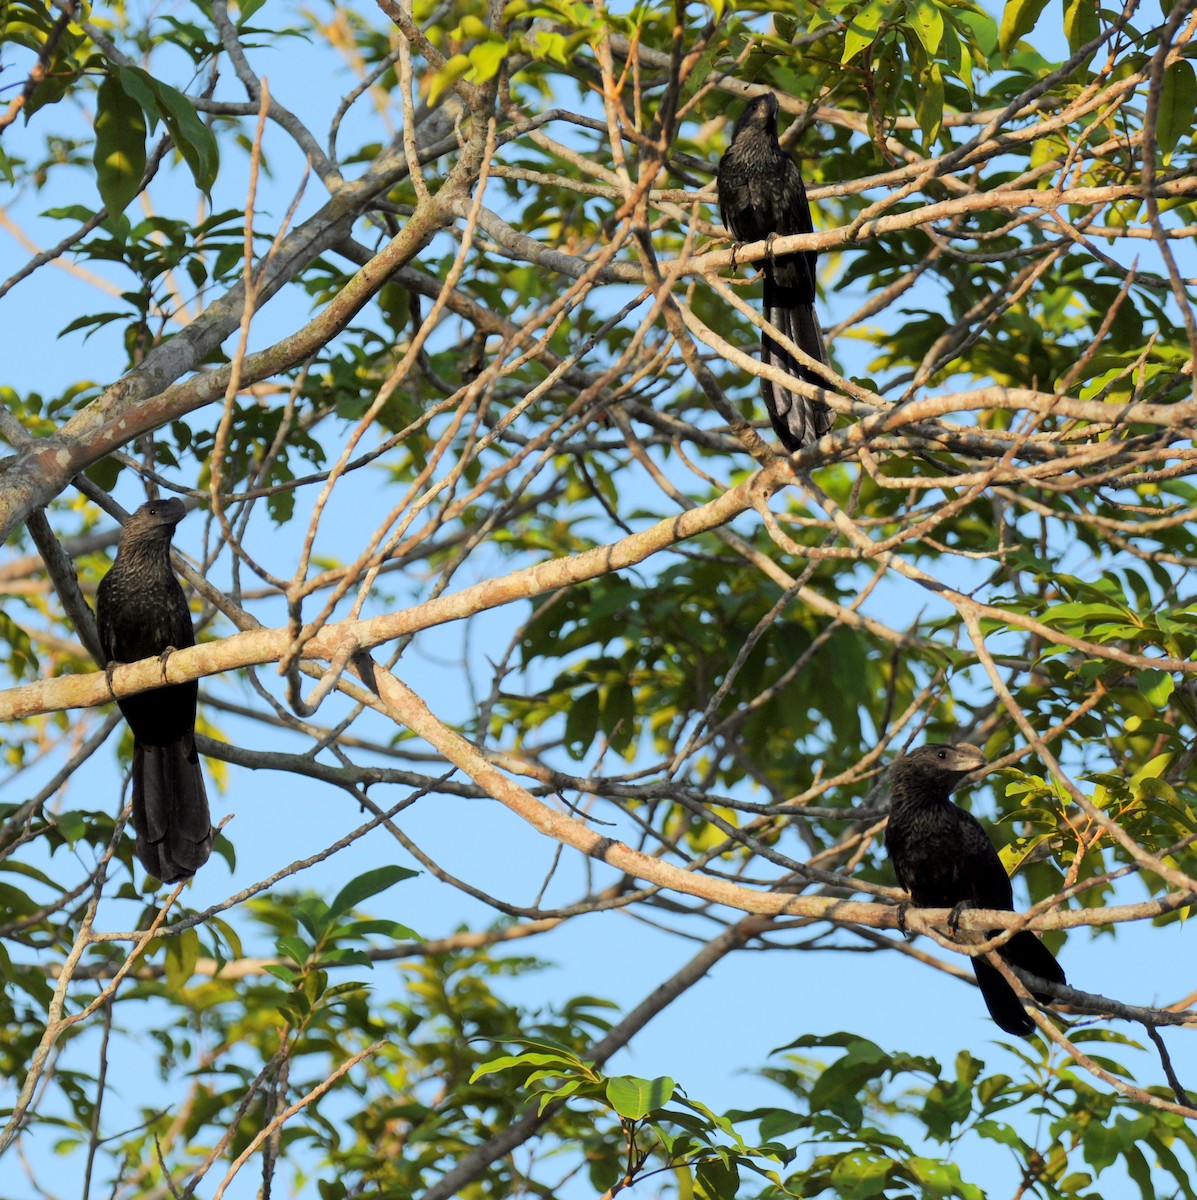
262	646
269	645
410	711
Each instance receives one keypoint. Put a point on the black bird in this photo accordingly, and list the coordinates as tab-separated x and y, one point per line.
761	195
141	612
944	859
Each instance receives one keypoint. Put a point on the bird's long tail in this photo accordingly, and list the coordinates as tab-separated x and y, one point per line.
796	420
1023	950
170	811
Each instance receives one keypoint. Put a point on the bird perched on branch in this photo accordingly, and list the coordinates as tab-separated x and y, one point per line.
944	859
761	196
141	612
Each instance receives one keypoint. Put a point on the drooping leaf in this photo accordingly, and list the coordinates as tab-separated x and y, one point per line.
1018	19
1178	107
120	146
927	22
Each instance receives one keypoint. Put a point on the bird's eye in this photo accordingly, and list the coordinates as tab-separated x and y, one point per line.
942	754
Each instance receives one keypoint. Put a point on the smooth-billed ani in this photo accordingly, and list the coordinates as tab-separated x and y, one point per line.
761	195
944	859
142	612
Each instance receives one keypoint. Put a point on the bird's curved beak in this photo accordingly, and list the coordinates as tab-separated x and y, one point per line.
969	758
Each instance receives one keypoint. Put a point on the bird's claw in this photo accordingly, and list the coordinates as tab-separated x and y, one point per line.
109	667
163	658
954	915
904	906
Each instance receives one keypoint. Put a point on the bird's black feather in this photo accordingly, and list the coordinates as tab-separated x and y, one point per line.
141	612
761	195
943	858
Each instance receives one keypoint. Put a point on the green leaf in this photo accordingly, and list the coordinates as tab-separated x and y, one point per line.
455	68
311	913
505	1062
838	1087
1178	104
72	825
930	106
389	929
619	716
779	1121
365	886
1156	686
927	22
29	872
192	138
862	29
1018	19
346	956
1082	23
139	86
120	146
295	949
92	322
860	1174
581	723
70	212
182	953
22	658
716	1180
246	10
30	25
942	1179
635	1098
485	60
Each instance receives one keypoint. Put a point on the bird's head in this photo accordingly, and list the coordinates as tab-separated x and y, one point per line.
759	113
938	765
155	520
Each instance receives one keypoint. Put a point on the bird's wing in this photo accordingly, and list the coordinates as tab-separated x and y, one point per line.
895	847
183	631
987	877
